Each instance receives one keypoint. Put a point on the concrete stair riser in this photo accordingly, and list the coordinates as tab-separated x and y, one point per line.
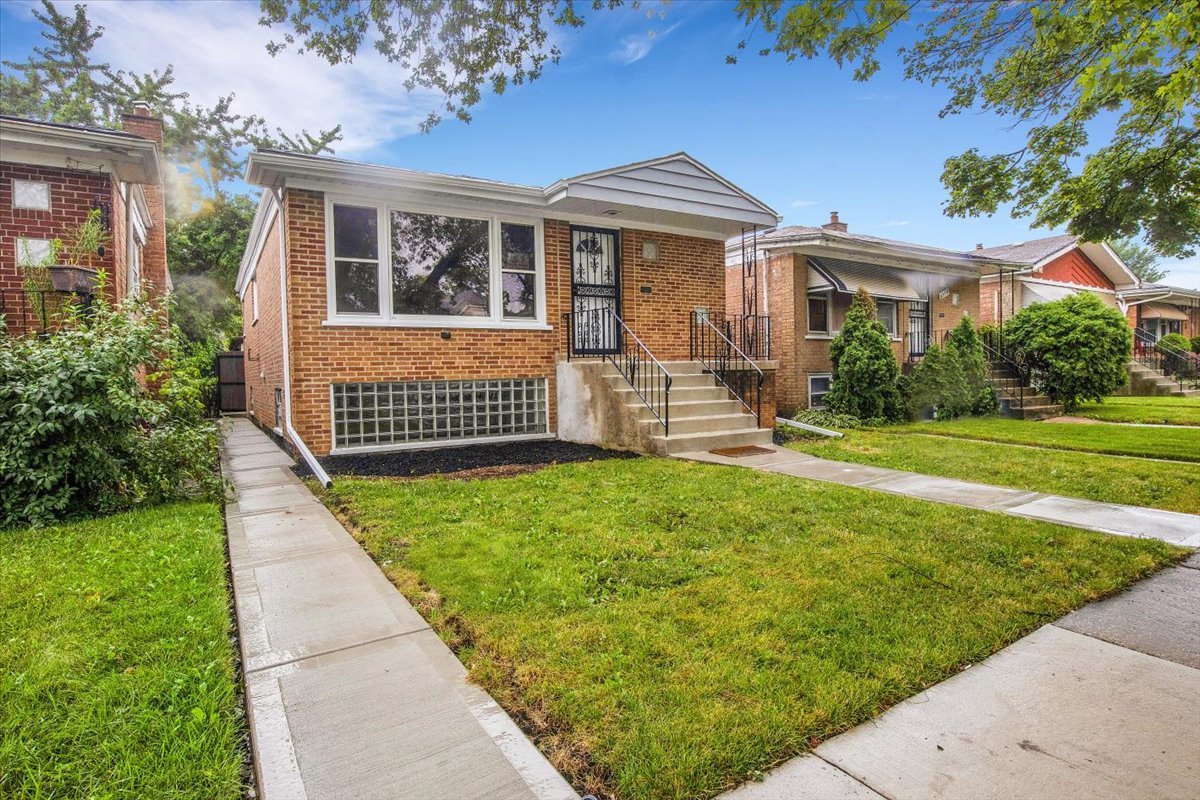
690	442
683	410
705	424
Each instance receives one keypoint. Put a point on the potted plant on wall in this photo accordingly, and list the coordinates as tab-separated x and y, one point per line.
75	255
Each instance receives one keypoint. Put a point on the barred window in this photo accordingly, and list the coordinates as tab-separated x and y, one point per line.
415	412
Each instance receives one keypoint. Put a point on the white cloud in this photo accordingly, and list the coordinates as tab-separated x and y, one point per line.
894	223
637	46
803	203
218	47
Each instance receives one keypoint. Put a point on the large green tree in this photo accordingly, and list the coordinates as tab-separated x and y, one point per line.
1106	95
1141	260
61	80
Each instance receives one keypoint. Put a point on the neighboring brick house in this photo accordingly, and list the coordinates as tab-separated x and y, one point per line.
1050	269
387	308
51	177
806	278
1158	309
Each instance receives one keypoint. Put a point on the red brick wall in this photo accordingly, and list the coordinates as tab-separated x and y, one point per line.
72	193
1074	267
688	273
154	252
263	345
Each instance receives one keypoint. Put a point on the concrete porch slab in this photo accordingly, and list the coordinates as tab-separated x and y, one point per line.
308	605
804	778
948	490
1159	616
1056	714
259	538
390	720
1170	526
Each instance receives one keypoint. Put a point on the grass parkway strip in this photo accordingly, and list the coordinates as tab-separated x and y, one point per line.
116	666
667	629
1152	410
1152	484
1174	444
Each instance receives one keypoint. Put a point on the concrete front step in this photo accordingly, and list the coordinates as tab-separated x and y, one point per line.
682	395
1038	412
711	423
689	442
689	408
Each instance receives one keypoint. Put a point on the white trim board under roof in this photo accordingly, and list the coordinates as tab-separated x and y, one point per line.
672	193
131	158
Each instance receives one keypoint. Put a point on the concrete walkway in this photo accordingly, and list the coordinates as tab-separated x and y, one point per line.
349	692
1104	703
1170	526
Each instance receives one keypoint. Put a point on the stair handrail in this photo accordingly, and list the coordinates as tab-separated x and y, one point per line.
709	345
1168	361
645	374
1017	374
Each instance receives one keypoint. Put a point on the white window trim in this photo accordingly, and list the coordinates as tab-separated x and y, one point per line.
812	375
384	316
827	296
49	195
254	298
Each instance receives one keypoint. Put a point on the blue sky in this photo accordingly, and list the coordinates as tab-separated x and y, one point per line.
804	137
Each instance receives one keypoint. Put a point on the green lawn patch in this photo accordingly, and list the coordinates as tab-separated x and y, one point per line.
1176	444
1154	410
116	667
667	629
1138	482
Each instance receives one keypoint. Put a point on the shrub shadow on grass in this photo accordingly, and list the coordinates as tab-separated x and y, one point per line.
487	460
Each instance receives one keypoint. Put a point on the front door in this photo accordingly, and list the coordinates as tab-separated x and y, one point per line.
918	330
595	290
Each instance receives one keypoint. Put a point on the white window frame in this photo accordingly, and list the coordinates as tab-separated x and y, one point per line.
894	333
827	296
811	376
254	298
44	185
384	315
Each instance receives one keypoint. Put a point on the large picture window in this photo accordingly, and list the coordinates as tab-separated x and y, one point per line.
429	269
440	265
356	259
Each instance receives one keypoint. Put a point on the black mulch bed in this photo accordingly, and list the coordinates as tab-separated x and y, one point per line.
444	460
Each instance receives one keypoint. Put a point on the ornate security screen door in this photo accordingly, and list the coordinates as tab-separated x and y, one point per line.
918	329
595	289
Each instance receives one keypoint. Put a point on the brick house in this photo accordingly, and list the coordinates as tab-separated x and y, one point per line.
1157	309
386	308
52	177
1050	269
804	279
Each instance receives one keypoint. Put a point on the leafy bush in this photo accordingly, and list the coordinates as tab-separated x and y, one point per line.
952	379
827	419
1077	347
864	368
1196	344
1173	342
90	422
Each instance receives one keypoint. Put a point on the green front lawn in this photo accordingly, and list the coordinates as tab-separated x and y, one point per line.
1138	482
668	629
1154	410
1177	444
116	668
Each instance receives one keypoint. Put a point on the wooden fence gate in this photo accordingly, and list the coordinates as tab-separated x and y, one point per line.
231	382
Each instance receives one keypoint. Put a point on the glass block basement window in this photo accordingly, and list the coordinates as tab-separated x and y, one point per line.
374	414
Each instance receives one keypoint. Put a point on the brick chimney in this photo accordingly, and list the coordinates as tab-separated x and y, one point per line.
979	246
140	122
835	224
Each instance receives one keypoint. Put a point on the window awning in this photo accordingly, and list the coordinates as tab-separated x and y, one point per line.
850	276
1162	311
1044	293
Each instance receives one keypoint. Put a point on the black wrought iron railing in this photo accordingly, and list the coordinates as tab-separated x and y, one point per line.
750	333
728	363
601	333
1005	372
1170	362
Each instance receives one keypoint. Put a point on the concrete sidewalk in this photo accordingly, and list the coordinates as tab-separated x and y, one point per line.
1170	526
1104	703
349	692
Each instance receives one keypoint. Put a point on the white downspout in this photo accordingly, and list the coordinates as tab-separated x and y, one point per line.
305	453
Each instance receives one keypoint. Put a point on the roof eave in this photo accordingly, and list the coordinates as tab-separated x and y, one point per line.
132	159
819	241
